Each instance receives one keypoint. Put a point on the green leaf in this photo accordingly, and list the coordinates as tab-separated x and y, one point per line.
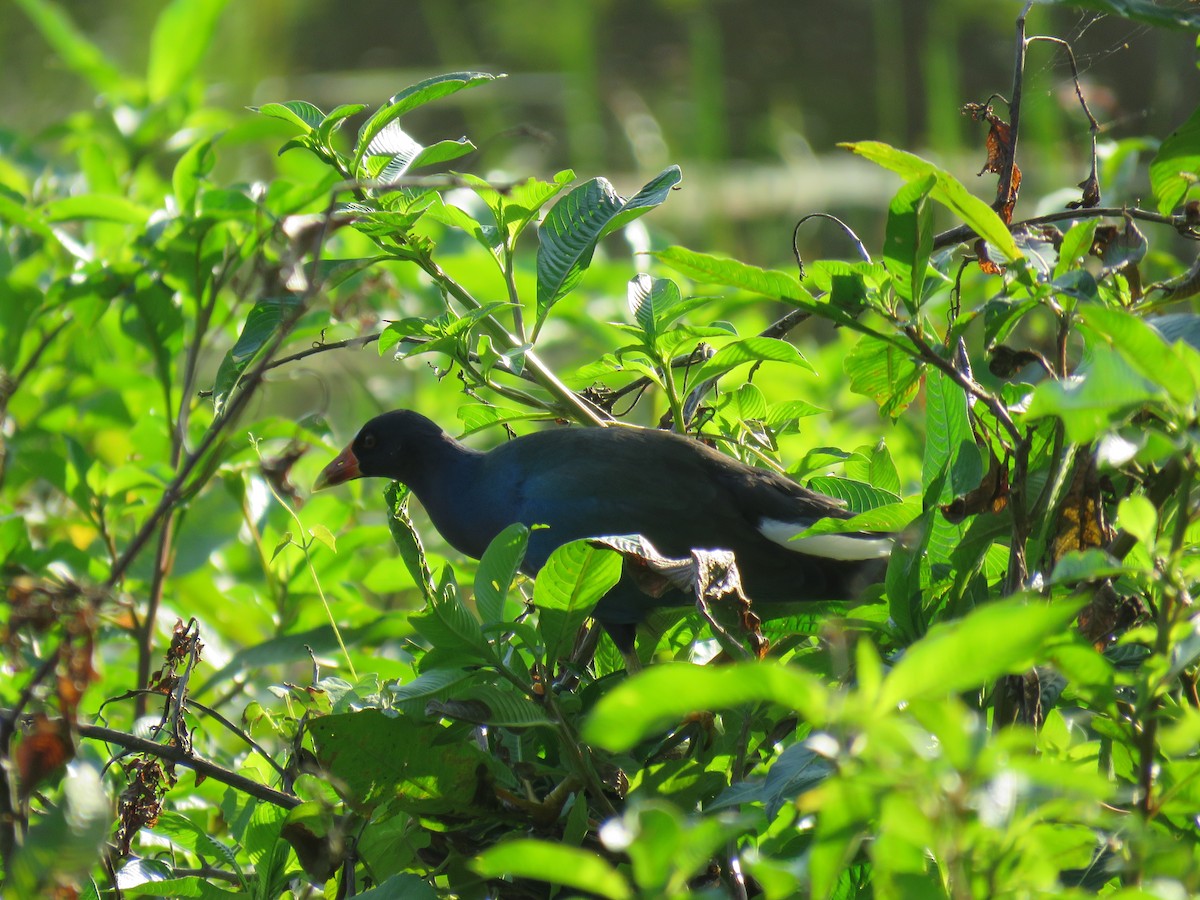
1175	169
885	373
526	199
947	190
376	759
324	535
948	660
881	470
336	119
858	495
908	242
196	162
159	326
1146	351
797	771
1076	245
409	99
182	35
1138	516
650	301
949	447
261	324
571	867
300	113
447	623
433	683
578	222
1098	397
489	704
497	568
187	835
284	543
405	537
666	693
1085	565
893	516
753	349
393	153
101	207
1151	12
73	47
568	587
708	269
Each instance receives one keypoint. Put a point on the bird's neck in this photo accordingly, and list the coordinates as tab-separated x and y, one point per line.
448	481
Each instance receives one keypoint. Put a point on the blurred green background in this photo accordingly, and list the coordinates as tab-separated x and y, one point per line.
749	97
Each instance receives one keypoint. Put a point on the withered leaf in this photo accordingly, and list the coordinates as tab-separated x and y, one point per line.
1081	522
999	145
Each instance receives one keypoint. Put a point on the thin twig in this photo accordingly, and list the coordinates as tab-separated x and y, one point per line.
964	233
1014	112
35	356
325	346
248	384
1091	184
858	244
931	356
181	757
576	406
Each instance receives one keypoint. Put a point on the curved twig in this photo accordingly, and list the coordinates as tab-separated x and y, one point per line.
859	245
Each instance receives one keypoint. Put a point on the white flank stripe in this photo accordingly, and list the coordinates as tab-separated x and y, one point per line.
830	546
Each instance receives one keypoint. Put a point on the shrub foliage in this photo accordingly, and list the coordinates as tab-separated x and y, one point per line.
218	685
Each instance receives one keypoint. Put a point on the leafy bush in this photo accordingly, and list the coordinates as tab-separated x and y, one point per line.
1015	712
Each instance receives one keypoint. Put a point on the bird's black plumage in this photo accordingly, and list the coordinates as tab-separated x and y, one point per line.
588	482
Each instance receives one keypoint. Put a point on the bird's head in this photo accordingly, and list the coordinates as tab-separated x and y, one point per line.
388	446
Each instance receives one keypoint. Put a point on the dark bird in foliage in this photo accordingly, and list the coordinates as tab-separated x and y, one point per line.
676	492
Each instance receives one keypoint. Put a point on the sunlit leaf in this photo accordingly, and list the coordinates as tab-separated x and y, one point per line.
578	222
948	191
571	867
665	693
182	35
948	659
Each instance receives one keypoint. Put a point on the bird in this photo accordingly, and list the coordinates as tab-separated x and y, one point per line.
571	483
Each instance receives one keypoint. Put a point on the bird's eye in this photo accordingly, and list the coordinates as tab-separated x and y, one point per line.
368	442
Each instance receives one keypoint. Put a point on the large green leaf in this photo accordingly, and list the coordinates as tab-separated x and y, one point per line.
1176	167
578	222
497	568
884	372
948	659
909	239
1099	396
101	207
300	113
182	35
568	587
1146	350
650	299
377	759
708	269
669	692
262	322
393	152
947	190
571	867
1152	12
409	99
949	447
747	350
